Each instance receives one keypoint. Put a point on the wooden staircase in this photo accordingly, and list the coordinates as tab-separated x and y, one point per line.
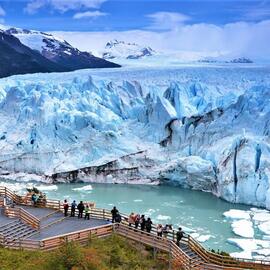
16	230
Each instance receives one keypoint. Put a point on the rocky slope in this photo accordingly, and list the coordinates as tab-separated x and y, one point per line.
24	51
200	128
16	58
58	51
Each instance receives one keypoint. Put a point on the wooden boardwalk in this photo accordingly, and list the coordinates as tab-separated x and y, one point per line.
46	228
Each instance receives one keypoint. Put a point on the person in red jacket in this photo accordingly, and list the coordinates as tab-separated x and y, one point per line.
66	207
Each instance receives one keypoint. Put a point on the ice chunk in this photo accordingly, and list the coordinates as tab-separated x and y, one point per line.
243	228
265	227
47	187
203	238
261	217
243	255
84	188
162	217
237	214
264	252
244	244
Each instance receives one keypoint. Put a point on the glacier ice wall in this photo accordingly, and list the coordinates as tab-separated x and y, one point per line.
201	128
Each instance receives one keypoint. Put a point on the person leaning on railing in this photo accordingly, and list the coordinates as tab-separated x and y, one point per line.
114	213
87	212
66	206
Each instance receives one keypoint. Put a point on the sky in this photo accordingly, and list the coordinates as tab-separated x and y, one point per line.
238	27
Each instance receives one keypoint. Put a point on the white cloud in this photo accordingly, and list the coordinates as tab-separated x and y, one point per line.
2	11
89	14
166	20
62	5
242	38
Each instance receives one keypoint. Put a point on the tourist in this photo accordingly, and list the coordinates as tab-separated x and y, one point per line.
179	236
114	213
73	208
66	206
131	219
148	225
137	221
166	229
118	218
142	222
80	208
159	230
34	198
87	212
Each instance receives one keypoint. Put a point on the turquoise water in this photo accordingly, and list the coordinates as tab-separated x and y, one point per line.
199	211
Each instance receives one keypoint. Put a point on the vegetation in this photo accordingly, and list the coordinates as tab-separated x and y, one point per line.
112	253
220	252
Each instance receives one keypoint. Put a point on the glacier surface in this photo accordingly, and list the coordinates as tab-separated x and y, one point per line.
205	128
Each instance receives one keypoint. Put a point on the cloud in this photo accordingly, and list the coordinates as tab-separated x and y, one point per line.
2	11
166	20
237	39
62	5
89	14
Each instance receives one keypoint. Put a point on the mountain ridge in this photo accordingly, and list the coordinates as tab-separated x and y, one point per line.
21	56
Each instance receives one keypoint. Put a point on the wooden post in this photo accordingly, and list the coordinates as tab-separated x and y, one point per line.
103	213
170	257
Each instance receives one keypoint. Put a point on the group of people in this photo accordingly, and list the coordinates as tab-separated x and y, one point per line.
140	220
38	198
145	224
81	208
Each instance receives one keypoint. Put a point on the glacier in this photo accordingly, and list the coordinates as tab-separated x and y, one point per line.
204	127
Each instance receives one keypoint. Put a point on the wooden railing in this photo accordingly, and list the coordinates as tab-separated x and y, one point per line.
7	193
19	243
22	214
2	239
82	237
165	244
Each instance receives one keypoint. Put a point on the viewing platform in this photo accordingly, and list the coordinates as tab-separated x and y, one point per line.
44	227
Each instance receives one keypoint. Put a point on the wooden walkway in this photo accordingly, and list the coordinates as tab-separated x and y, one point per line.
45	228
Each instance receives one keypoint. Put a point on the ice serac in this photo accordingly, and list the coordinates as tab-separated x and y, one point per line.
206	129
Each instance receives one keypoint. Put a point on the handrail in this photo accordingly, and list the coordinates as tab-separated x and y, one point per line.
207	256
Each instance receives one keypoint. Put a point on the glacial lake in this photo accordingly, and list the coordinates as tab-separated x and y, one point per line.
194	210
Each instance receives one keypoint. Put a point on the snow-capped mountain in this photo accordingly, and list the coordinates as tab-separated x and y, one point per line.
201	128
57	50
121	49
16	58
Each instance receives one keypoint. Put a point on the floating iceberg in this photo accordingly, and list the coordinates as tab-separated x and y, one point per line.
265	227
84	188
237	214
243	228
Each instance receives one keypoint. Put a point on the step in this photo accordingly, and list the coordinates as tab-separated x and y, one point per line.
21	232
16	227
8	225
